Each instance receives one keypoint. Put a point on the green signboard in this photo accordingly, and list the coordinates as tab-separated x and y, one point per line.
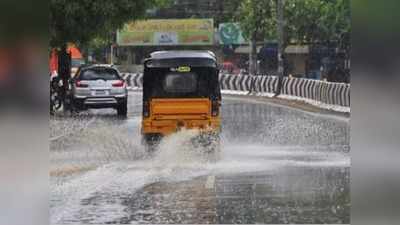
230	33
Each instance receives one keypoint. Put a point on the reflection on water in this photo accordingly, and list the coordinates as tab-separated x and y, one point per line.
290	195
271	125
293	195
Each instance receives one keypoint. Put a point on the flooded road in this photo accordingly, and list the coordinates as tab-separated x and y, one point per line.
278	165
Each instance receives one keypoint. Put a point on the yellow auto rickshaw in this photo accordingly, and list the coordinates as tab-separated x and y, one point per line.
181	90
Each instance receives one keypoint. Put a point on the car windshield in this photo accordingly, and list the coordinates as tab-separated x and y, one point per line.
99	74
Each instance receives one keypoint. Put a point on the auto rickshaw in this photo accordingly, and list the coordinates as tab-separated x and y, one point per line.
181	91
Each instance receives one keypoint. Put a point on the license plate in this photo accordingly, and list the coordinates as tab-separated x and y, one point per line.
100	92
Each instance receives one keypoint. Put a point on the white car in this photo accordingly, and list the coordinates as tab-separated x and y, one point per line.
99	86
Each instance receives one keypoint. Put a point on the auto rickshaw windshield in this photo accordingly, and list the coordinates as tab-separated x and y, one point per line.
170	83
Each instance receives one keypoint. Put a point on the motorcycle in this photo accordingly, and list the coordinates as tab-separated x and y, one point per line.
56	101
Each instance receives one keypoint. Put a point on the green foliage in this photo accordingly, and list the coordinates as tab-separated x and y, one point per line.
221	11
318	21
80	21
257	18
228	10
306	21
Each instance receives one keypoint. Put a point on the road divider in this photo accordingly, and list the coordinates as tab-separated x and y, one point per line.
133	80
327	93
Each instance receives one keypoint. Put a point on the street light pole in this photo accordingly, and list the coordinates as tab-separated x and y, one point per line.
280	24
112	54
113	41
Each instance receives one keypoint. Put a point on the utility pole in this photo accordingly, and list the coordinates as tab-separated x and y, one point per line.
253	54
280	24
112	45
112	54
253	43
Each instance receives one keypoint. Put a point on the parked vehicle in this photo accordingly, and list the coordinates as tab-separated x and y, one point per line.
230	68
99	86
55	94
181	90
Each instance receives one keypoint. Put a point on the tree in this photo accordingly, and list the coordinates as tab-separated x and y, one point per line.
309	22
227	11
257	23
322	23
220	11
318	21
79	21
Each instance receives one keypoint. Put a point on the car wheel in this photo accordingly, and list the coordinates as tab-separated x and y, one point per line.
122	109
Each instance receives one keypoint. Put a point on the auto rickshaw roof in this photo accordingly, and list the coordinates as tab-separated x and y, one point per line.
182	54
164	59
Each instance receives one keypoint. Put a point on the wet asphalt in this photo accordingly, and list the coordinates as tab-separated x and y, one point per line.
278	165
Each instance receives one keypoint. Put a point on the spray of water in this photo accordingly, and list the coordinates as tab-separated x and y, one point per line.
178	149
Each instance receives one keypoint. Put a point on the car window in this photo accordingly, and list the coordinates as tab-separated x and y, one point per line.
180	82
99	74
